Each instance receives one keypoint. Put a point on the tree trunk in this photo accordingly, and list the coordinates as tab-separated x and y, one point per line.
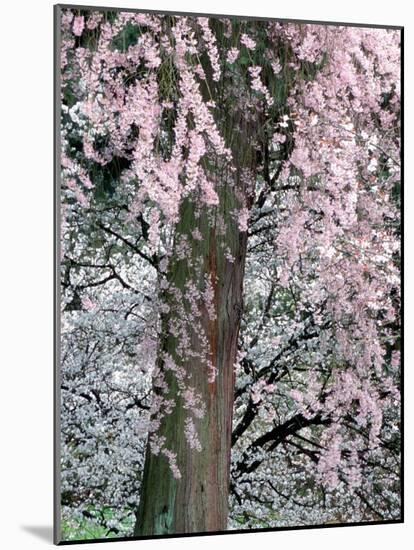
198	501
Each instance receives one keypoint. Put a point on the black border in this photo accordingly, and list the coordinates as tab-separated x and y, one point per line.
56	277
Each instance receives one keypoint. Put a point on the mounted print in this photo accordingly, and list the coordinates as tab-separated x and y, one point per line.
228	268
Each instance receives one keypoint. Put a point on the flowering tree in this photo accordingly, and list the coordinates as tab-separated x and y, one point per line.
230	272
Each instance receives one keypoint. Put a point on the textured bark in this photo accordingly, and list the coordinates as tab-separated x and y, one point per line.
199	500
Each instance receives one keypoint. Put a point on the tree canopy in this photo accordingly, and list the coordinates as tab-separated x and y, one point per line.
277	146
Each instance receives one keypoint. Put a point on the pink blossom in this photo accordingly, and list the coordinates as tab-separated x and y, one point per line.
232	55
209	195
211	46
247	41
191	435
93	20
258	85
276	67
78	25
243	219
88	304
197	234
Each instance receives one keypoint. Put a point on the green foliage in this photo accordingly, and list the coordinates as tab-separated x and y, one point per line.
127	37
91	526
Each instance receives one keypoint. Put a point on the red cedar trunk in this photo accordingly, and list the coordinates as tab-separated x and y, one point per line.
199	500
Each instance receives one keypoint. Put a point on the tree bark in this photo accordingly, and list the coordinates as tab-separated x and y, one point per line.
198	501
